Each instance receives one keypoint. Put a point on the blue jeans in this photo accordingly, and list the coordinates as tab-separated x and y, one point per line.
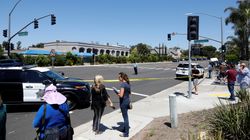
230	86
124	109
209	73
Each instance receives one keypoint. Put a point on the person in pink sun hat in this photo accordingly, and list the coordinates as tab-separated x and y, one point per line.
52	118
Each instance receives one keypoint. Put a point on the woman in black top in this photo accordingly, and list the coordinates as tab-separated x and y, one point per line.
99	99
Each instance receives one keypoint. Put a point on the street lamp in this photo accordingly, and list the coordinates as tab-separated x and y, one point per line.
221	23
9	46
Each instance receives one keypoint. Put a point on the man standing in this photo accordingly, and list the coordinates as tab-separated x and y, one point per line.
231	74
195	76
210	68
135	68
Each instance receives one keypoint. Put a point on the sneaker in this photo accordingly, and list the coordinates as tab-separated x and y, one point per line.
98	132
231	99
123	135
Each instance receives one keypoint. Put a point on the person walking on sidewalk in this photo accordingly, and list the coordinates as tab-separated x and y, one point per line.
99	99
124	98
195	77
244	76
231	74
3	117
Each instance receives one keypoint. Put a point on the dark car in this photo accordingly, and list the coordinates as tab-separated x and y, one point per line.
10	62
25	85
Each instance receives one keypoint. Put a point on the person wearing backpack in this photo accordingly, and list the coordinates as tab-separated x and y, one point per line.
99	99
52	118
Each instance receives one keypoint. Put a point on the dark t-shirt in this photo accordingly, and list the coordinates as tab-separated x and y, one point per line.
127	91
99	96
195	71
231	75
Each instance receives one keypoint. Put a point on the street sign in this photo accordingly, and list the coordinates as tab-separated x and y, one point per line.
201	41
23	33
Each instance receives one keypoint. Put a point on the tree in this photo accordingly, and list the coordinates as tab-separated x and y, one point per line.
240	18
18	45
142	49
208	51
5	45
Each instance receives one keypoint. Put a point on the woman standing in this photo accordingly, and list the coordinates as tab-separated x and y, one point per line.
124	101
53	116
99	98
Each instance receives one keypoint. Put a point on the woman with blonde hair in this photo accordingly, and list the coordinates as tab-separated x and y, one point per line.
99	99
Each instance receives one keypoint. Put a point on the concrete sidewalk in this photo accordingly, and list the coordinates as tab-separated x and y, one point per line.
157	105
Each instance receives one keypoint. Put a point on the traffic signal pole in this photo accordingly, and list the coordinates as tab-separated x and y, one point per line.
9	47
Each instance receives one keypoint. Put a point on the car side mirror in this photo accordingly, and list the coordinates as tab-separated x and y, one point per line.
47	82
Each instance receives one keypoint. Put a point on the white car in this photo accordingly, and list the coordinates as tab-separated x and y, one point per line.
182	70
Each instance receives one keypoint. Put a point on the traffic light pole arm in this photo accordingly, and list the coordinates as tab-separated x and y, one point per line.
199	36
27	26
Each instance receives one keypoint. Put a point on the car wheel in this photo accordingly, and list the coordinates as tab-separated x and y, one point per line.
71	100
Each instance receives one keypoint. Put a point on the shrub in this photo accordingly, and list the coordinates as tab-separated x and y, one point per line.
232	120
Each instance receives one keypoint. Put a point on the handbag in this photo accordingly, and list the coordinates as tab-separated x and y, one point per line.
130	106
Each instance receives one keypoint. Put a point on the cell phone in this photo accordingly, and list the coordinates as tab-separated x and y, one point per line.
115	90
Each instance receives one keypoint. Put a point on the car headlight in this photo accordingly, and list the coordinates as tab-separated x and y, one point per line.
81	87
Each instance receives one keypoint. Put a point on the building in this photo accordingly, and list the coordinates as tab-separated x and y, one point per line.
97	49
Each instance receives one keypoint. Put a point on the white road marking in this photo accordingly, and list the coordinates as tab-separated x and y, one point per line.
138	94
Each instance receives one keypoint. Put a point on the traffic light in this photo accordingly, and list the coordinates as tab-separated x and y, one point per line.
193	28
53	20
223	48
169	37
35	24
5	33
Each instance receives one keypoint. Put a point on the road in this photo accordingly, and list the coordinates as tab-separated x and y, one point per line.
152	78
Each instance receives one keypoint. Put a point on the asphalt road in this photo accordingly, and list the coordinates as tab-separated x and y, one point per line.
152	78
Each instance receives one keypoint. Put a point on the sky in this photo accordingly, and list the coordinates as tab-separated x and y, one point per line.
122	22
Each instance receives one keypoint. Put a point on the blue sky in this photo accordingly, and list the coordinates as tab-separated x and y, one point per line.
126	22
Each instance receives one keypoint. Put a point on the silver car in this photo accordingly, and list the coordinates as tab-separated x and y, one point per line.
182	70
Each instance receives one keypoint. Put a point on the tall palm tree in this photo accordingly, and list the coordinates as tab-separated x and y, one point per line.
240	18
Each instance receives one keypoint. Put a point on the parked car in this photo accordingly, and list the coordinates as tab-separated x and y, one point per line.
10	62
25	85
182	70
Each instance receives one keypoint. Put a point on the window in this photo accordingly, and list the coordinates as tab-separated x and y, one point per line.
11	76
34	76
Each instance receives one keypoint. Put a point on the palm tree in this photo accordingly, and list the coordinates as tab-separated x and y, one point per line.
240	17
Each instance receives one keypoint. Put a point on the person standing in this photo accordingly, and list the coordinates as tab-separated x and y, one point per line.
244	76
53	116
231	74
195	77
210	69
124	97
135	68
3	118
99	99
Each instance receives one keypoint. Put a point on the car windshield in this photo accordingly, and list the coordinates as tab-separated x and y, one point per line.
54	75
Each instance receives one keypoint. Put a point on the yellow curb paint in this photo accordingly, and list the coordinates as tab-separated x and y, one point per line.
220	94
133	79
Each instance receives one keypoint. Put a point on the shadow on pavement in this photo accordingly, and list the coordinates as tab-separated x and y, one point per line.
22	108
